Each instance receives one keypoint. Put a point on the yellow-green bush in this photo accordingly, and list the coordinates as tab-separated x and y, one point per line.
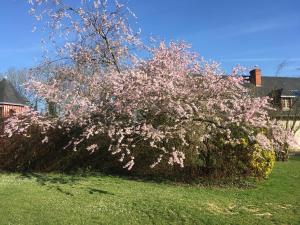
261	161
243	157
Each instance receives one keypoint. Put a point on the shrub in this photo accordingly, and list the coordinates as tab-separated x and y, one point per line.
215	157
20	153
244	157
261	161
145	155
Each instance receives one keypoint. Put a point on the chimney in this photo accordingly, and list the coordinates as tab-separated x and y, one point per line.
255	77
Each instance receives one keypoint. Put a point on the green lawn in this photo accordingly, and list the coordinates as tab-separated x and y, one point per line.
99	199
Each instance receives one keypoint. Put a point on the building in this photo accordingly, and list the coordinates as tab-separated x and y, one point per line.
11	101
285	94
284	91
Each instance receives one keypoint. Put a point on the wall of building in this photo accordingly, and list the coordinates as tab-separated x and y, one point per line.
7	110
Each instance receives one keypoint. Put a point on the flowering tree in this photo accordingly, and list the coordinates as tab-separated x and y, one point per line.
169	101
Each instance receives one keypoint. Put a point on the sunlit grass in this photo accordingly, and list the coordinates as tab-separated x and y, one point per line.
99	199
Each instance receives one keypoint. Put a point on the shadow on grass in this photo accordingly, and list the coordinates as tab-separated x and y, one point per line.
73	178
59	189
59	182
98	191
45	179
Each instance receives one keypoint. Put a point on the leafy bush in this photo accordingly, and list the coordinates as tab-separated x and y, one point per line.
244	157
216	159
261	161
20	153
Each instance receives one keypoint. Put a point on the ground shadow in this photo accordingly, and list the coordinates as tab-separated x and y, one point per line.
55	181
44	179
98	191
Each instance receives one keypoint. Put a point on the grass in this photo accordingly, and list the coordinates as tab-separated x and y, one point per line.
98	199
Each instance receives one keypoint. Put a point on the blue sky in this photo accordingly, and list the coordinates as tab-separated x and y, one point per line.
257	32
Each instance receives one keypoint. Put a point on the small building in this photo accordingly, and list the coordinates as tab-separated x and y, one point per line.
285	94
11	101
285	91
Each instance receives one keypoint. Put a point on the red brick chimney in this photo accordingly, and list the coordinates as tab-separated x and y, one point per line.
255	77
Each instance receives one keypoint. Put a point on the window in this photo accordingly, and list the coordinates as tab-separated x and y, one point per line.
1	112
286	103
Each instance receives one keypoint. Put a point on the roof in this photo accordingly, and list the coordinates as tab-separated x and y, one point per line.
9	95
279	87
288	86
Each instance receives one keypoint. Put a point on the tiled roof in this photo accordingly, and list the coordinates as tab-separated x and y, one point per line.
288	86
9	95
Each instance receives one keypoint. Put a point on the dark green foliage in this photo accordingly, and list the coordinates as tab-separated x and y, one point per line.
215	159
226	160
20	153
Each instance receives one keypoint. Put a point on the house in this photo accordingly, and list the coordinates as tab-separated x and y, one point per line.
285	94
284	91
11	101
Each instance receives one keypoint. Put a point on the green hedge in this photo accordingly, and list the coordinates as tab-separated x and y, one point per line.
215	158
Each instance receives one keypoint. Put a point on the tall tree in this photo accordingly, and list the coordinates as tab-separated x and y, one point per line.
168	101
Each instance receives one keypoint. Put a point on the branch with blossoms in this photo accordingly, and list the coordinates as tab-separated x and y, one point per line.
95	34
